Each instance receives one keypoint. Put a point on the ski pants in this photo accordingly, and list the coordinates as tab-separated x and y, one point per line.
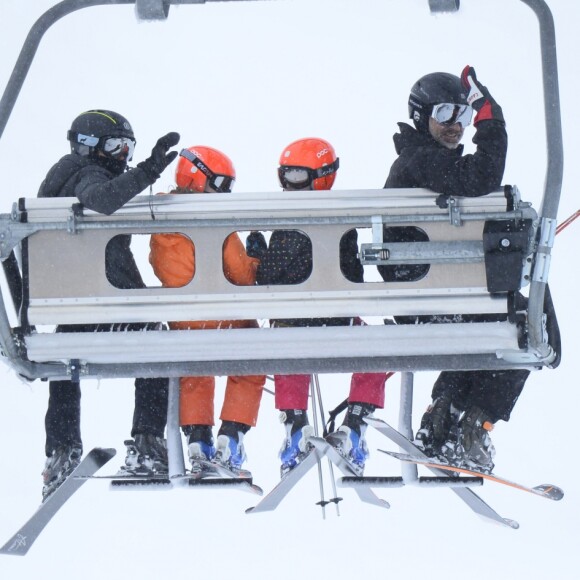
292	390
243	393
495	392
63	416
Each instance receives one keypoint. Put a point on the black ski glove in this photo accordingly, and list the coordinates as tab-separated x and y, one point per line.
160	158
256	245
479	98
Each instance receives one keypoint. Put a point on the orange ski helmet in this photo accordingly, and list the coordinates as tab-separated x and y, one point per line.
200	166
306	162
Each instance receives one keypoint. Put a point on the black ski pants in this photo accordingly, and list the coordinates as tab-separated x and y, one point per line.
495	392
63	416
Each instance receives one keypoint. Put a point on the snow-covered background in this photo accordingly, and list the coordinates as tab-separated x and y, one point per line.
248	78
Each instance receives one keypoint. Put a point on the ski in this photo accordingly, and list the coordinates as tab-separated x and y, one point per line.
217	474
546	490
142	481
365	494
22	540
470	498
272	499
210	474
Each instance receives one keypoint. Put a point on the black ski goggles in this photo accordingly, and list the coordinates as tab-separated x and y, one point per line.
451	113
296	177
219	183
121	148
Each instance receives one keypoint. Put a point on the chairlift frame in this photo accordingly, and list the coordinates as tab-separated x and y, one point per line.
33	222
14	230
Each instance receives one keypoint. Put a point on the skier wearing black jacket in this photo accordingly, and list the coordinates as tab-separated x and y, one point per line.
95	172
465	404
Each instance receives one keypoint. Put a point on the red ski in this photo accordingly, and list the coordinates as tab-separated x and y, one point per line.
546	490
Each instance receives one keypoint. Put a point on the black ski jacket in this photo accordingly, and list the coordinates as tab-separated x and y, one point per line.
100	190
423	162
288	260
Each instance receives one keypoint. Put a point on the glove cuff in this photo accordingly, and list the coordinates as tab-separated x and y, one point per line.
151	174
489	111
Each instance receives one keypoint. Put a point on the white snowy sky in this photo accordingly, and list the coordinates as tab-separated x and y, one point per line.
248	78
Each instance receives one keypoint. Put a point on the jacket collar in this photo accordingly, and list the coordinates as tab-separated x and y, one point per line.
410	137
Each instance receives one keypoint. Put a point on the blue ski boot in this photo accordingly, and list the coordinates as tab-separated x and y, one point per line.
230	452
295	446
200	445
349	439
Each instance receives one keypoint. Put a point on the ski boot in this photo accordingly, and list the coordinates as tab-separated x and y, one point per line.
295	446
200	445
59	466
474	448
349	439
146	455
230	452
439	428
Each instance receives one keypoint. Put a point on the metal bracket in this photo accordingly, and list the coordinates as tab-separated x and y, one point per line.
11	234
454	212
525	358
75	369
76	211
444	5
543	257
377	226
152	9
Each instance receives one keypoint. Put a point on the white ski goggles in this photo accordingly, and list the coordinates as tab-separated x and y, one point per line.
119	147
298	177
115	147
451	113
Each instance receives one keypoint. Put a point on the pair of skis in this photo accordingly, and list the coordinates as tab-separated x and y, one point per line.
209	474
413	454
320	448
22	540
446	475
212	474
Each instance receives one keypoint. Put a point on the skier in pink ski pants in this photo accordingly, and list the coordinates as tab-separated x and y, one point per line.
311	164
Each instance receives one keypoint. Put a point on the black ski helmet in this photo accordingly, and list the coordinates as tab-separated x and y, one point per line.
431	90
88	129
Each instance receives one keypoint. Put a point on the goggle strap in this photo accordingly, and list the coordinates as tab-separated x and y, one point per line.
327	169
211	176
195	160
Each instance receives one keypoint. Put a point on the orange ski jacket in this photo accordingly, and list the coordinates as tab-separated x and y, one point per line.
172	257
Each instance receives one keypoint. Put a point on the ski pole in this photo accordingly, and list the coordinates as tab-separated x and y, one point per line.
335	498
268	378
322	503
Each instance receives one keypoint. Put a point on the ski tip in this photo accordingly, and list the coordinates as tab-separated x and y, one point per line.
18	545
550	491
